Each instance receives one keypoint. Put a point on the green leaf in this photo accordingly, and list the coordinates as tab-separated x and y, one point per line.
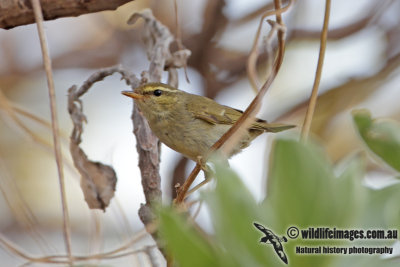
383	207
233	211
302	187
381	136
186	244
351	193
303	191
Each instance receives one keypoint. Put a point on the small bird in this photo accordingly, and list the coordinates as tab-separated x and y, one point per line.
271	238
190	124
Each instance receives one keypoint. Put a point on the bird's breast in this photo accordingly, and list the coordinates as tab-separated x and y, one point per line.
192	137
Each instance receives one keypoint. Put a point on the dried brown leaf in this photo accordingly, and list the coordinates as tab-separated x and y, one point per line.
98	180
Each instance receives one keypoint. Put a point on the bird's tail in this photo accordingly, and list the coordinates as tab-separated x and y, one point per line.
271	127
277	127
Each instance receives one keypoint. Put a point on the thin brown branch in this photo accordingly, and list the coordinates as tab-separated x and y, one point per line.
16	13
185	187
281	38
314	94
54	121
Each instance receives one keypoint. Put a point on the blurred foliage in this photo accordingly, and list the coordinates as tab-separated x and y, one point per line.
304	190
381	136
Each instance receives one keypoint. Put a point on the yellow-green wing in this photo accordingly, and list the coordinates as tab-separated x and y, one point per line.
210	111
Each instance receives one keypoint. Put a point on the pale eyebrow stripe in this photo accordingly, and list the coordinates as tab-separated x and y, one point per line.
152	89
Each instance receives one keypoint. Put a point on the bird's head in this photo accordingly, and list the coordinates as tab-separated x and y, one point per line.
156	98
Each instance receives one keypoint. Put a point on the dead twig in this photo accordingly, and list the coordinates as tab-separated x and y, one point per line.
17	13
54	121
314	94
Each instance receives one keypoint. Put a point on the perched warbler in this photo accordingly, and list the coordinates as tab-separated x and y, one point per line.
190	124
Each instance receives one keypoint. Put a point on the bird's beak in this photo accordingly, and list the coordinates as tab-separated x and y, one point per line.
132	94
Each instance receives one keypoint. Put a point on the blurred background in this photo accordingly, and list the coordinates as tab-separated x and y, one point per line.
361	70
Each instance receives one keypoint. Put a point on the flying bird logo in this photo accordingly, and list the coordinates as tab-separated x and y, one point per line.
271	238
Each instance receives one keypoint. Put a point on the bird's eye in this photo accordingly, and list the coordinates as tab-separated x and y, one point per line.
157	92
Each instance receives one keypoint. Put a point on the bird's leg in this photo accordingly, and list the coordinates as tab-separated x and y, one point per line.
208	175
196	187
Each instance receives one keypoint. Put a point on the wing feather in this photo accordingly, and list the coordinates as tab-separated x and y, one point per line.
211	112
